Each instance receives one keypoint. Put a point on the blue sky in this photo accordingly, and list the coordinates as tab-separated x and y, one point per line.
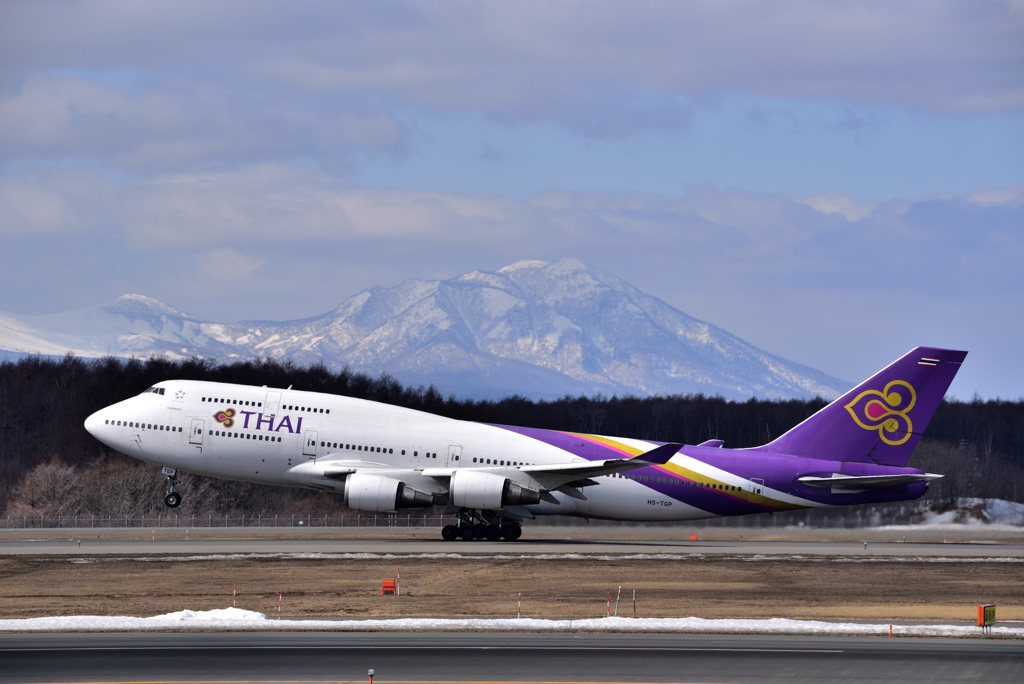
834	182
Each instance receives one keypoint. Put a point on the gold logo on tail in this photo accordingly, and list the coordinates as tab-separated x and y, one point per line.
886	411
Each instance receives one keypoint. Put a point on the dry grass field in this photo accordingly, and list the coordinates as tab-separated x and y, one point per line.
832	588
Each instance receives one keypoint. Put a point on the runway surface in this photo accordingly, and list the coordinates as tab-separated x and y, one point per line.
501	658
78	543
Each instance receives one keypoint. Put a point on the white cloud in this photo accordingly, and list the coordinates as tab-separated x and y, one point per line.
730	231
998	196
837	203
59	202
174	125
226	265
604	68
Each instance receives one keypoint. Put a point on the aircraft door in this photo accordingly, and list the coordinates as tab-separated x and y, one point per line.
754	488
309	443
195	431
454	456
272	404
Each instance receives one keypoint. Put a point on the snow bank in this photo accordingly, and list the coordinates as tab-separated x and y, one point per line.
234	619
975	512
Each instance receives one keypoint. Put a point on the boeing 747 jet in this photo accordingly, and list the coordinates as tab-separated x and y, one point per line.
386	458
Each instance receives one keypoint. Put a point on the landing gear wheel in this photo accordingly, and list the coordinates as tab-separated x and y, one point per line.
449	532
479	531
512	532
466	532
173	500
492	533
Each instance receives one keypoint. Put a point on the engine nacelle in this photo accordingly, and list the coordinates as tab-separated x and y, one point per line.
487	491
376	493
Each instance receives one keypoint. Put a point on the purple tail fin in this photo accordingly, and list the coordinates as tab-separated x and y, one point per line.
881	419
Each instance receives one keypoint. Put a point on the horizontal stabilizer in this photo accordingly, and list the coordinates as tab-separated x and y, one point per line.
849	484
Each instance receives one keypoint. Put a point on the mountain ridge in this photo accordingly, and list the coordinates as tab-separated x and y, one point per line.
536	328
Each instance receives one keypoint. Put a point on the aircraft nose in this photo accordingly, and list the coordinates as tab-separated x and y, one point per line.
92	423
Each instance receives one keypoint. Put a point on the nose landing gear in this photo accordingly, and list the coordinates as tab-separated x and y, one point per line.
173	498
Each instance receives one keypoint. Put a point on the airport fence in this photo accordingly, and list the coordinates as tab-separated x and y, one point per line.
870	515
208	521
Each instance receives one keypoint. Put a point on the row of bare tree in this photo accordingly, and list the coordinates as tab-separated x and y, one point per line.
121	487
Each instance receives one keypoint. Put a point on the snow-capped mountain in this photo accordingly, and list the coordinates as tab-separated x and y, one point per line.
535	328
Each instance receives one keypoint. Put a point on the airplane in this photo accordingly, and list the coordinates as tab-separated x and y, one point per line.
384	458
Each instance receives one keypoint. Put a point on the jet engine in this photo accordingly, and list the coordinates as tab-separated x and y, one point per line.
487	491
367	492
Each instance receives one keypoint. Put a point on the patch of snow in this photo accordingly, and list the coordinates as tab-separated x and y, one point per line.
974	512
234	619
525	264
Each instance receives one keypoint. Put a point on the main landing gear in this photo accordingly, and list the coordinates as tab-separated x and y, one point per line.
482	525
173	498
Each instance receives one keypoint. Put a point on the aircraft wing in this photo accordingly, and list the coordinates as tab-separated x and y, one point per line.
657	456
567	477
850	484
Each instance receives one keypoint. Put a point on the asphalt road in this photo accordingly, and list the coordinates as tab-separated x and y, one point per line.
242	658
79	543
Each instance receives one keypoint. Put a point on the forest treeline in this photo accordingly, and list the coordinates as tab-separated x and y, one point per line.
48	461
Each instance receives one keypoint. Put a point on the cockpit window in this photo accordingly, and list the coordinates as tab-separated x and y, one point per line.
155	390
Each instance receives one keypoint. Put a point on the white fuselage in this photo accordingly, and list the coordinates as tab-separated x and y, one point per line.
295	438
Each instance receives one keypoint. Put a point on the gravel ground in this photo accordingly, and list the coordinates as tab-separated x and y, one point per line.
709	587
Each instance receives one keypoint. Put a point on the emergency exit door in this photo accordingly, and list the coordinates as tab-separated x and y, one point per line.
309	443
272	404
754	488
454	455
195	431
